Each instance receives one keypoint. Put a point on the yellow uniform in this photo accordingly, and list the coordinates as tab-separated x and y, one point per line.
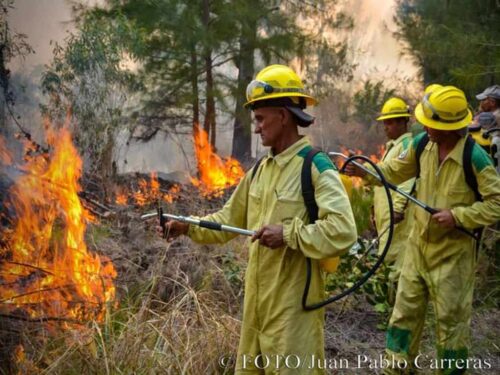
274	323
439	262
381	209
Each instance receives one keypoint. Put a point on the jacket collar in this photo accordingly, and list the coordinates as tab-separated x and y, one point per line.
455	154
285	156
394	142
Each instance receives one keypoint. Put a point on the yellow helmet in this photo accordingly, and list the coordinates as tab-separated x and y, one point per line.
432	87
277	81
445	108
394	108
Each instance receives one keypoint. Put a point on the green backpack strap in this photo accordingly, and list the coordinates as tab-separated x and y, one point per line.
307	185
418	152
306	182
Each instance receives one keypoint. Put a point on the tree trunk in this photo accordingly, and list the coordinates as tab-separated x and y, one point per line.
194	88
209	124
242	135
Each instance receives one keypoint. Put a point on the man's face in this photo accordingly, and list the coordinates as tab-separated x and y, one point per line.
394	127
437	136
269	124
487	105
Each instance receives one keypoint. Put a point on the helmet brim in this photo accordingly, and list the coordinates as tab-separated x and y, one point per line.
435	124
394	115
305	119
310	101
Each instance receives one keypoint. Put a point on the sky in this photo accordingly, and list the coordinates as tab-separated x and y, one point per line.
44	22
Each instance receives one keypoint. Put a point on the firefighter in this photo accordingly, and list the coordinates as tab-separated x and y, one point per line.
440	260
269	200
489	101
394	115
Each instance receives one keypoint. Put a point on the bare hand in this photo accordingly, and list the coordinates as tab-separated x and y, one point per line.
270	236
444	218
353	170
172	229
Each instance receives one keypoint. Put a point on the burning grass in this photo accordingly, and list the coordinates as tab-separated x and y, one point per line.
46	271
180	310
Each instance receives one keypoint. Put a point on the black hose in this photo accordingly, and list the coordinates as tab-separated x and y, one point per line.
370	272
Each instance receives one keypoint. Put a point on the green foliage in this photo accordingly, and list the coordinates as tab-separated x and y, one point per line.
454	42
362	202
12	44
85	86
233	270
377	290
369	100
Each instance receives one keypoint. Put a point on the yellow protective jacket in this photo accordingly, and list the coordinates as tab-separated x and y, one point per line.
381	208
444	187
274	322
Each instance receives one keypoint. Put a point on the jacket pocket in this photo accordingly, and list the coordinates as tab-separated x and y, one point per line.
460	197
289	204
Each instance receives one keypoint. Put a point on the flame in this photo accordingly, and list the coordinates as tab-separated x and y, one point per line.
357	182
172	193
19	354
376	158
121	199
216	174
149	192
46	269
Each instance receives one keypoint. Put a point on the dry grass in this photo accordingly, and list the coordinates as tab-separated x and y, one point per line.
179	312
186	334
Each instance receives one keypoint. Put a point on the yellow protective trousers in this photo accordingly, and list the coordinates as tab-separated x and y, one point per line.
449	288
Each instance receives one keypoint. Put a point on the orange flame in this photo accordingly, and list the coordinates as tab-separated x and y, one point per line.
45	267
356	181
378	156
121	199
216	174
172	193
149	192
